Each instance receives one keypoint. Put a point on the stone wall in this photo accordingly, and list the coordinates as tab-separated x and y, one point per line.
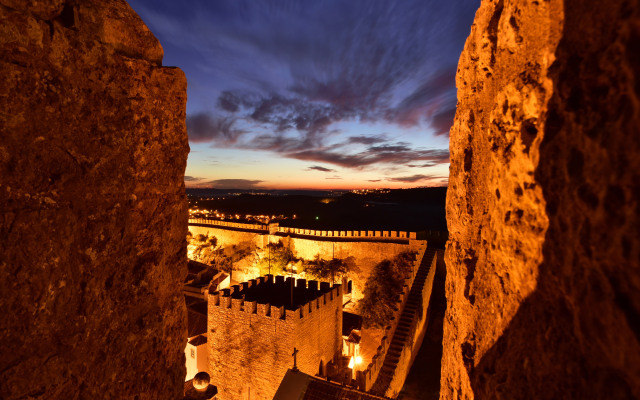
417	330
228	237
251	343
542	209
93	149
367	253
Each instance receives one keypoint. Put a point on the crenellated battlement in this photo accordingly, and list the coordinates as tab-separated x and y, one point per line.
278	297
275	229
275	314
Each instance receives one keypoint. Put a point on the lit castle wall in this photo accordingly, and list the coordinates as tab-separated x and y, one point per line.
367	247
254	328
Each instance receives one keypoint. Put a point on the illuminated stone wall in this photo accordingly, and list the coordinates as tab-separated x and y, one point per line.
542	264
251	343
366	253
93	216
228	237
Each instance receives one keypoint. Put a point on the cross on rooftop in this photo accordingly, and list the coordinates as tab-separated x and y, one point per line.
295	364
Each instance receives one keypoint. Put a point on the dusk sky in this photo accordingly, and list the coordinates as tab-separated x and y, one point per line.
339	94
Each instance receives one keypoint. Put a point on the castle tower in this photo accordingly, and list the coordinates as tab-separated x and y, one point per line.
254	327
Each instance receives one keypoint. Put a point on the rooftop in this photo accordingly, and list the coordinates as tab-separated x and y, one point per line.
198	341
196	318
297	385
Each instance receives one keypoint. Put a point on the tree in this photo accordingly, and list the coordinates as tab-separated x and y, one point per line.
201	247
225	258
329	269
275	258
382	288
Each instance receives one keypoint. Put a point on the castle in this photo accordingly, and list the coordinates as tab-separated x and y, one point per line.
93	248
257	329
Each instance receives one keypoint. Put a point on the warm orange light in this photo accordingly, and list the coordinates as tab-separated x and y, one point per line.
358	359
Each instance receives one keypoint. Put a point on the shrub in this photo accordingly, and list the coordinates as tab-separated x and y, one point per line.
275	258
382	289
323	269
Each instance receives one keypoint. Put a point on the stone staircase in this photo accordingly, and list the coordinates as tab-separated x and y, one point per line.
406	325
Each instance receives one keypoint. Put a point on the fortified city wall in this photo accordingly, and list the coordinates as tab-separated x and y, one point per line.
367	247
543	260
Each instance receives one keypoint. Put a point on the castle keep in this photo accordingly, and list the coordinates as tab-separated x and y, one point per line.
254	328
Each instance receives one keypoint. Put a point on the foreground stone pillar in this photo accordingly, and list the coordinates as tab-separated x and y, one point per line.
93	218
542	265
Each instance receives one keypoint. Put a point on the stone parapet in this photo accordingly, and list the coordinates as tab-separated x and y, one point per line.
233	298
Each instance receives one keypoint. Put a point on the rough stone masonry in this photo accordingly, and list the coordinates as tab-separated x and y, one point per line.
93	149
543	273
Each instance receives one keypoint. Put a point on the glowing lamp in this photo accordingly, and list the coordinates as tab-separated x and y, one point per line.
201	381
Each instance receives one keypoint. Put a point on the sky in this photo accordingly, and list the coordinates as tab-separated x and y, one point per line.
338	94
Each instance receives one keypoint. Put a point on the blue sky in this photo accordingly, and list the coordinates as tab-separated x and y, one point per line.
315	94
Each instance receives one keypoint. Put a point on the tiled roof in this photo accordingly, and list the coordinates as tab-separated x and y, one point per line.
354	338
195	267
198	341
217	279
322	390
297	385
197	318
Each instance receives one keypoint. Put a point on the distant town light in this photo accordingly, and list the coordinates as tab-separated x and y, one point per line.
317	217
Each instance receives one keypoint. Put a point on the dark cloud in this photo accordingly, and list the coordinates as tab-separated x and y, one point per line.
234	183
425	165
415	178
203	127
229	101
319	168
433	96
366	139
374	180
282	77
385	154
293	113
441	122
192	179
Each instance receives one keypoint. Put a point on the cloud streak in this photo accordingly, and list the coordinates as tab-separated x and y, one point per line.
204	127
233	183
382	154
415	178
297	79
319	168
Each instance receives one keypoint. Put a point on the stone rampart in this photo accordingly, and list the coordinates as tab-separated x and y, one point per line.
285	231
367	377
228	237
306	244
417	331
251	342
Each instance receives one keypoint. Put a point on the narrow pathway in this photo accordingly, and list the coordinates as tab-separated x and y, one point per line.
403	331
